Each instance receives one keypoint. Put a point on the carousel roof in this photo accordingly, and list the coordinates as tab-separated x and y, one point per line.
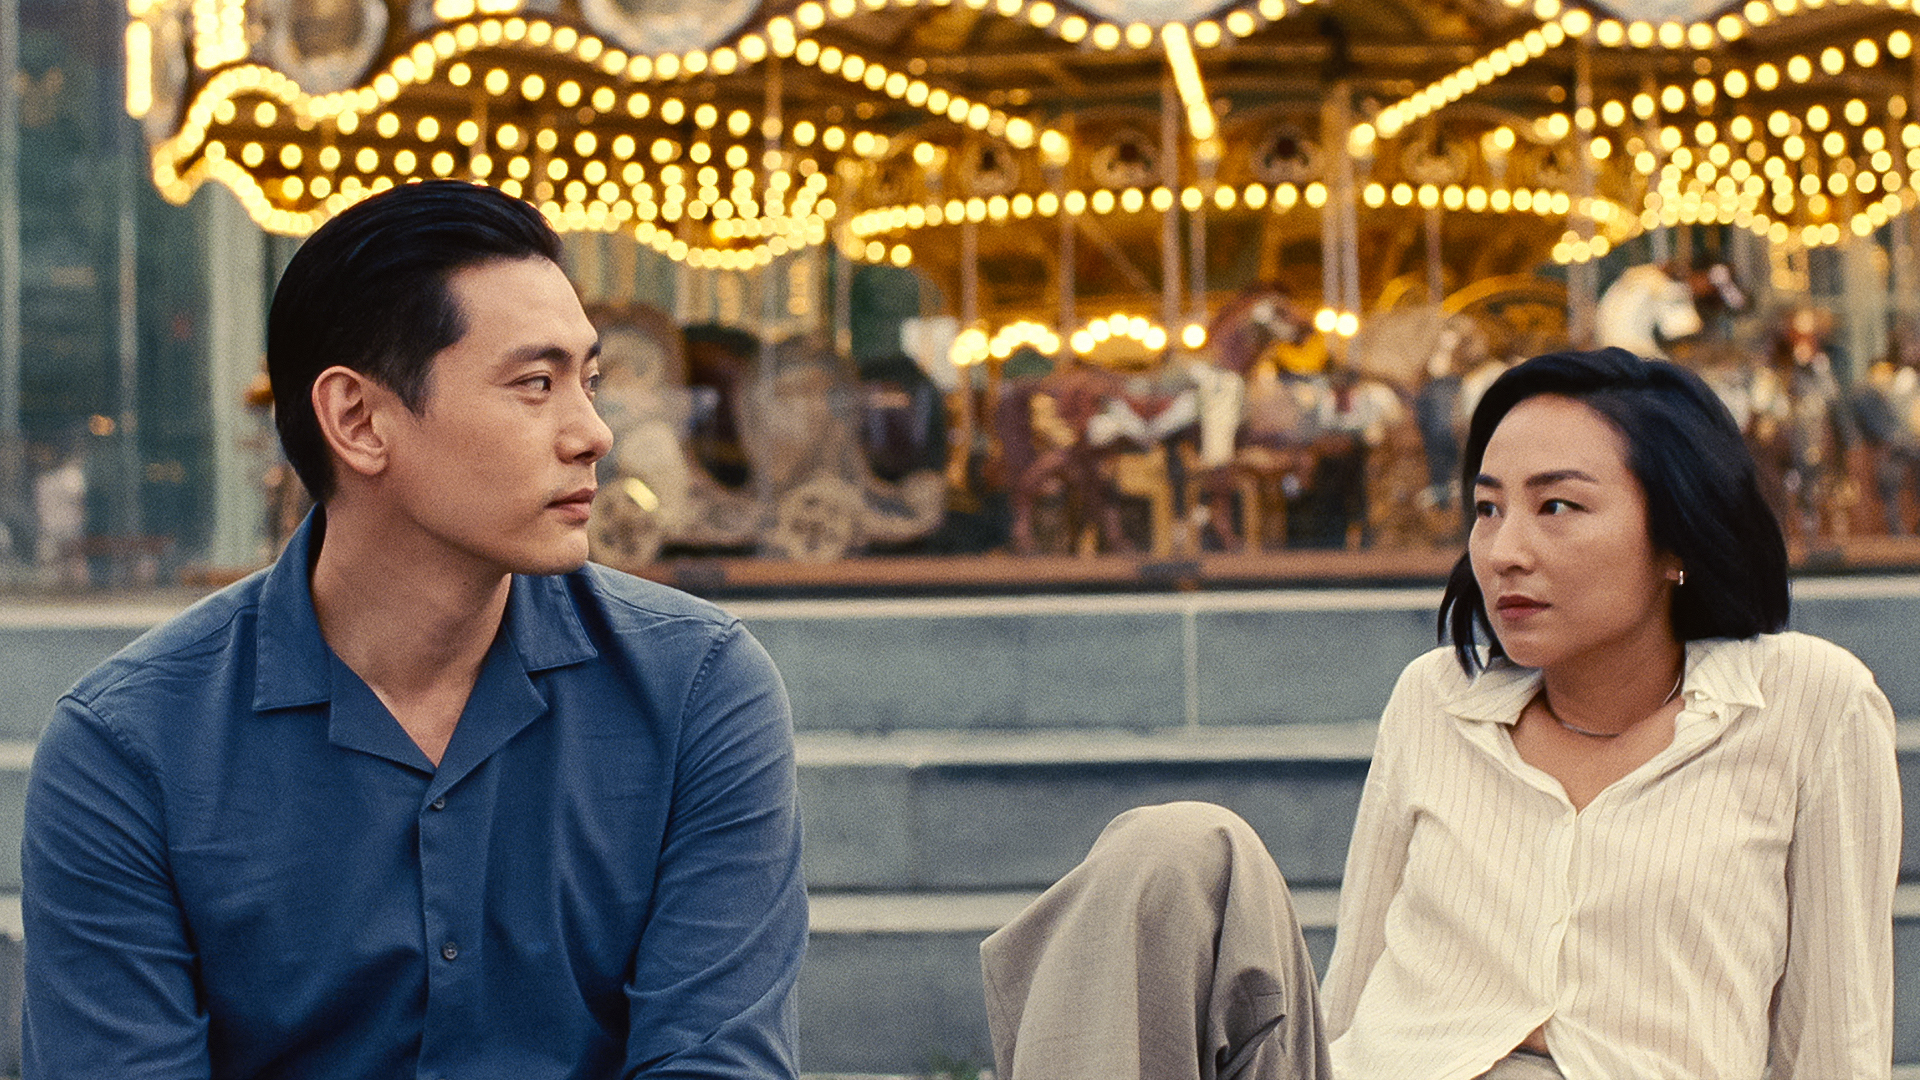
728	133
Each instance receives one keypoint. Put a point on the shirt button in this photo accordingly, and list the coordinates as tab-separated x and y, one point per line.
449	951
439	803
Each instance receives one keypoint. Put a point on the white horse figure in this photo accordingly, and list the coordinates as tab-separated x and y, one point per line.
1646	299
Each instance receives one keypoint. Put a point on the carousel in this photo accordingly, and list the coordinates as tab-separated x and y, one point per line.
1169	290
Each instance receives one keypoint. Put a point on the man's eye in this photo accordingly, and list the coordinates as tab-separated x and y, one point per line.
542	383
1485	509
593	384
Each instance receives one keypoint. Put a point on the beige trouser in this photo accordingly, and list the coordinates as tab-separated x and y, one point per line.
1171	953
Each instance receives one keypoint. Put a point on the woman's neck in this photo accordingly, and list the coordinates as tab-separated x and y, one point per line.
1611	690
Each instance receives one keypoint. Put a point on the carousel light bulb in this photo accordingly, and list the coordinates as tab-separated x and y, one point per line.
1855	112
1899	44
1817	117
1832	60
1766	77
1139	35
1799	69
1106	36
1073	29
1609	33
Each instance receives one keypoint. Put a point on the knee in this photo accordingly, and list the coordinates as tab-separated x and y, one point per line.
1192	840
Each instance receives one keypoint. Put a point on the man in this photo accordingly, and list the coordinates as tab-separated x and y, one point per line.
429	797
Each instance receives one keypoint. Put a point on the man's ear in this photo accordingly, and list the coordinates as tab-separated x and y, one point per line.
351	408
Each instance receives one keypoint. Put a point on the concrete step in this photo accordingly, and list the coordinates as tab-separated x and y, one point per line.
1152	662
892	981
891	986
1138	661
952	811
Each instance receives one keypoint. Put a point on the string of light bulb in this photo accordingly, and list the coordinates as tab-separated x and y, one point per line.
420	64
1073	28
1558	25
881	221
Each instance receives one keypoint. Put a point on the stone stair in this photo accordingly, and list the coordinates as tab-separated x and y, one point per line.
958	755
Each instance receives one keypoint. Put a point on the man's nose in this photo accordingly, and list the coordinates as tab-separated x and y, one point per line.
587	436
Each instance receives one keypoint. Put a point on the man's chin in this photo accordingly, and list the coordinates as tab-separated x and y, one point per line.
550	563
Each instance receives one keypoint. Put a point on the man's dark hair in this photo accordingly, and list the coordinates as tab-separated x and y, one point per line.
1703	496
368	291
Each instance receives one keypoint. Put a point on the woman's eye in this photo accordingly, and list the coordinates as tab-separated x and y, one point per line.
1484	508
1557	506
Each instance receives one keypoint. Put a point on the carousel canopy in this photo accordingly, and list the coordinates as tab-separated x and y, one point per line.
728	134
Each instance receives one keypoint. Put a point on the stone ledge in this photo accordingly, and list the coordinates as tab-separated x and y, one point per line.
1270	742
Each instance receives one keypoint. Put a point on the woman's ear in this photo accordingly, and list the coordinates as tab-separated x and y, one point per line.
348	405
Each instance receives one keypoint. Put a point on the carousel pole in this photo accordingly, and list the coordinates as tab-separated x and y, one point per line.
1583	279
1332	134
1339	220
969	273
1348	195
962	421
1169	219
1206	155
1069	316
768	276
1436	269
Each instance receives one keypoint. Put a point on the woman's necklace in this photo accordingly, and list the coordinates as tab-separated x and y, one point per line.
1547	704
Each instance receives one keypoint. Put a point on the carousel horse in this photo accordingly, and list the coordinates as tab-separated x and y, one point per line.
1044	425
1651	305
1234	456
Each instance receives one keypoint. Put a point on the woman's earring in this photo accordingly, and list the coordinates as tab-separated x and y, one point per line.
1678	577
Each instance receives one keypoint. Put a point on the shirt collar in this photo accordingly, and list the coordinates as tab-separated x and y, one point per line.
1720	677
294	663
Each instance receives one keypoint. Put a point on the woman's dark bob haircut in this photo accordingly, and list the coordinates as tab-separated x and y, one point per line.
1703	499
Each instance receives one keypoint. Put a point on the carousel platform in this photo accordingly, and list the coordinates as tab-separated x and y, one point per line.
958	753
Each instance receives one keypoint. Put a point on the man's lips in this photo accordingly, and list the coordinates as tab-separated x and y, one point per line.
577	504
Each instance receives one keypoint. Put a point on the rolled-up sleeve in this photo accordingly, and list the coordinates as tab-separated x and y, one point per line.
712	991
109	960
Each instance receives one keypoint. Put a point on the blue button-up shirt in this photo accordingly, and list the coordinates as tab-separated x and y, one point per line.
237	864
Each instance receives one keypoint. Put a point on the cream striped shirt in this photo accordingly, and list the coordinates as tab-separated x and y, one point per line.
1724	911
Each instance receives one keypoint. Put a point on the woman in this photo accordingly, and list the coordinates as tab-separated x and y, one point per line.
1625	829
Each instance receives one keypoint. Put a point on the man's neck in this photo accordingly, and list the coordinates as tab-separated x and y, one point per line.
413	624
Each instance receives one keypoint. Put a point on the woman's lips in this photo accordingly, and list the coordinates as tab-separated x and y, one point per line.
1518	607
